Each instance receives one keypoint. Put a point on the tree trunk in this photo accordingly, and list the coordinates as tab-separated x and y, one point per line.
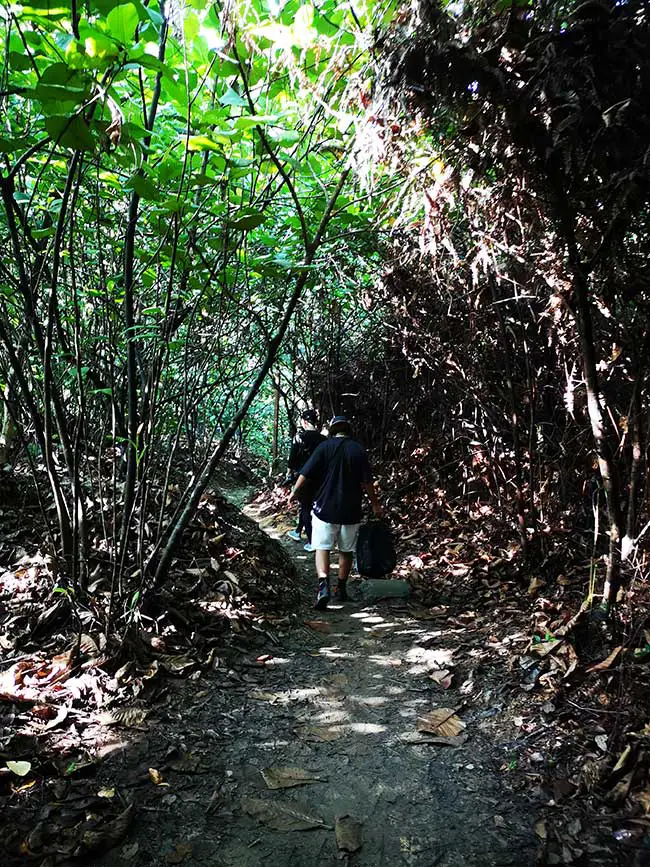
596	409
276	427
514	424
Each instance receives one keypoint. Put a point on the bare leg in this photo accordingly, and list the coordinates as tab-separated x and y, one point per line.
323	565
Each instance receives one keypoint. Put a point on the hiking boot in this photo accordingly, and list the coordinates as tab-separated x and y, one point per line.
340	593
294	534
323	596
309	547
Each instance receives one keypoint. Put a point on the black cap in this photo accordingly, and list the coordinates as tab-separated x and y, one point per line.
310	416
339	424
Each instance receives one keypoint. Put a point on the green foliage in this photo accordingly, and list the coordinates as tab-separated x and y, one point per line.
168	174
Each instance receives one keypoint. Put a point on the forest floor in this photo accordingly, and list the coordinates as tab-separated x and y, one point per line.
394	733
334	700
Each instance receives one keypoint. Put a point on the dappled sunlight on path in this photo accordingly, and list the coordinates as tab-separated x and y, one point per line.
351	713
339	700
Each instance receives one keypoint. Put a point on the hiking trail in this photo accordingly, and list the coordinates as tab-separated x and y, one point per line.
335	697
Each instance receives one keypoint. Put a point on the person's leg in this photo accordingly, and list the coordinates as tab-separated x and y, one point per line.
347	547
323	573
323	539
295	533
323	565
345	565
301	520
307	524
305	514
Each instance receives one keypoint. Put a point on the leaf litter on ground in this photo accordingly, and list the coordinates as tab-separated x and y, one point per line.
282	817
285	778
349	834
441	722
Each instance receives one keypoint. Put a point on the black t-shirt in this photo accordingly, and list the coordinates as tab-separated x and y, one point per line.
338	467
302	447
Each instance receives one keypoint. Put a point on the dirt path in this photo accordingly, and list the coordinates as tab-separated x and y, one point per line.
339	698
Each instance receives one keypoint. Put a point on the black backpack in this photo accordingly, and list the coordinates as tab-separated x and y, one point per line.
305	444
375	550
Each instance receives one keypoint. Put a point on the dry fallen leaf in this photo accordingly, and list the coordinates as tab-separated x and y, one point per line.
285	778
443	678
422	738
643	798
60	717
348	834
442	722
88	645
606	663
320	733
106	836
622	759
535	585
129	851
601	742
179	854
124	716
318	625
279	816
177	664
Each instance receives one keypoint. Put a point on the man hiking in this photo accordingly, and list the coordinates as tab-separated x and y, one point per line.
340	470
302	447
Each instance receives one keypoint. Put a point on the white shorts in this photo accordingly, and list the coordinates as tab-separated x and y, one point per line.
325	537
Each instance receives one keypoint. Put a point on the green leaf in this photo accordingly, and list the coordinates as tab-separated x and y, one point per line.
214	116
231	97
190	26
284	136
19	61
248	121
143	187
70	132
246	221
203	143
59	83
150	62
122	21
60	73
9	145
53	9
132	130
33	39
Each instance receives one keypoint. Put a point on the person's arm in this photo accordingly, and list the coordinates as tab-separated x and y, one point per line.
300	481
369	488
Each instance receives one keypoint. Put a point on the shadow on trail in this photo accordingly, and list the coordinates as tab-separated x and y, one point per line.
328	700
338	699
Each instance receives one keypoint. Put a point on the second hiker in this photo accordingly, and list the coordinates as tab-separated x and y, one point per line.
302	447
